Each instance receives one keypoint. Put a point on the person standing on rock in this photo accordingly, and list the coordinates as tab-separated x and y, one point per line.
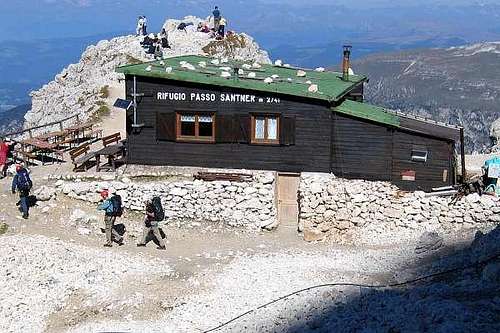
23	184
222	27
140	26
112	209
144	25
151	223
217	17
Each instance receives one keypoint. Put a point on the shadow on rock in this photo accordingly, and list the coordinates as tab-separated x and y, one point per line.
465	299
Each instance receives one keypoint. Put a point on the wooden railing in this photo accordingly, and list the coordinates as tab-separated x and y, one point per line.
32	129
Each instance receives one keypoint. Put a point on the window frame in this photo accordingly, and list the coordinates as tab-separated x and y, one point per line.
196	138
266	140
419	155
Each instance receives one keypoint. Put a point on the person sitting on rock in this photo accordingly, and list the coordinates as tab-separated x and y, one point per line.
164	39
23	184
110	214
151	226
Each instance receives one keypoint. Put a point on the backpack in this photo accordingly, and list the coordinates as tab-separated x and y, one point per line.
116	202
23	181
159	212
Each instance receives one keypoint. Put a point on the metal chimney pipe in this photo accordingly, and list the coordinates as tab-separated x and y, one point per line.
346	62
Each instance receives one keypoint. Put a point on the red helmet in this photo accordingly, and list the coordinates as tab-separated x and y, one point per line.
104	194
18	167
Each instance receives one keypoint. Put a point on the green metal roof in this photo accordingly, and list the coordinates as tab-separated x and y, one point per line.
331	87
368	112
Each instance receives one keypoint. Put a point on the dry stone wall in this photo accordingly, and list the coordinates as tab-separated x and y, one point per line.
242	204
333	205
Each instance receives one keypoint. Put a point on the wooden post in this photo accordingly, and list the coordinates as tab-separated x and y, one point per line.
61	126
462	153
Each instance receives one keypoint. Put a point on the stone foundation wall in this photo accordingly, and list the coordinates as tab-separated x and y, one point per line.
332	205
243	204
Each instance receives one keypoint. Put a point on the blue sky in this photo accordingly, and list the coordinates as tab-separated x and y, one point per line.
39	19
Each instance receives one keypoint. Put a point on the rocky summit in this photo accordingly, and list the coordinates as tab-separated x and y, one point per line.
82	88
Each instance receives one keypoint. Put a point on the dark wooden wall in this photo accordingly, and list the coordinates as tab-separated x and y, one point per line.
323	142
365	150
310	152
428	174
361	149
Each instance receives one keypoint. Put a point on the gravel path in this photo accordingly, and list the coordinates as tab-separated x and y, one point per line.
250	281
38	274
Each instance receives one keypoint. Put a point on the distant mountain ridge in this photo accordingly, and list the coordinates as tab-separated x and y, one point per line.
12	119
459	85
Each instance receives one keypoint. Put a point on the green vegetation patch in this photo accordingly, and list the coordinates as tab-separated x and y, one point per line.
3	228
104	92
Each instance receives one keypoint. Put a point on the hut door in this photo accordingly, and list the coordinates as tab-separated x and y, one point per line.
288	206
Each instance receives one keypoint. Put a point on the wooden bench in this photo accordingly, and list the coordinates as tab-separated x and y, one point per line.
113	138
95	134
80	157
23	156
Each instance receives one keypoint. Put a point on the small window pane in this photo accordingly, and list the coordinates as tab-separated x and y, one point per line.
260	128
188	125
206	128
205	119
188	118
419	155
272	128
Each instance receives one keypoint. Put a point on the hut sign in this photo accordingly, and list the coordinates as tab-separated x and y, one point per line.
212	97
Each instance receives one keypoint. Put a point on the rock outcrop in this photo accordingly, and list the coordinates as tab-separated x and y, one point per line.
83	87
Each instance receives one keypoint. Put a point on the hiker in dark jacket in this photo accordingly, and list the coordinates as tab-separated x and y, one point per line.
23	184
109	220
164	39
217	17
151	225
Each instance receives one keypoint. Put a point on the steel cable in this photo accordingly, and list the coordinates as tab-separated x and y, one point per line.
341	284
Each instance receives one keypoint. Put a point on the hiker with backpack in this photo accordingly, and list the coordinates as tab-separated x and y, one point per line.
23	184
154	214
112	208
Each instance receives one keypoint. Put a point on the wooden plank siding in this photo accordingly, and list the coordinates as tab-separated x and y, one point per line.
361	149
322	141
310	151
428	174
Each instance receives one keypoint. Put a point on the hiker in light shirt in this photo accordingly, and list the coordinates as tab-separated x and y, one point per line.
140	26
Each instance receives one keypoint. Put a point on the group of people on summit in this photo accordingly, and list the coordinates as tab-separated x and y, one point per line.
154	43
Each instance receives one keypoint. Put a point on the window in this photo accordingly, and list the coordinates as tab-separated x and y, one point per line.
195	127
265	129
419	155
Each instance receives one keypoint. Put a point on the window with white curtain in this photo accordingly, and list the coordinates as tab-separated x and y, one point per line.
195	127
265	129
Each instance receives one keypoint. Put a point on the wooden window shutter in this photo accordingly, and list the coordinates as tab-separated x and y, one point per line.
165	126
244	128
224	129
287	131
